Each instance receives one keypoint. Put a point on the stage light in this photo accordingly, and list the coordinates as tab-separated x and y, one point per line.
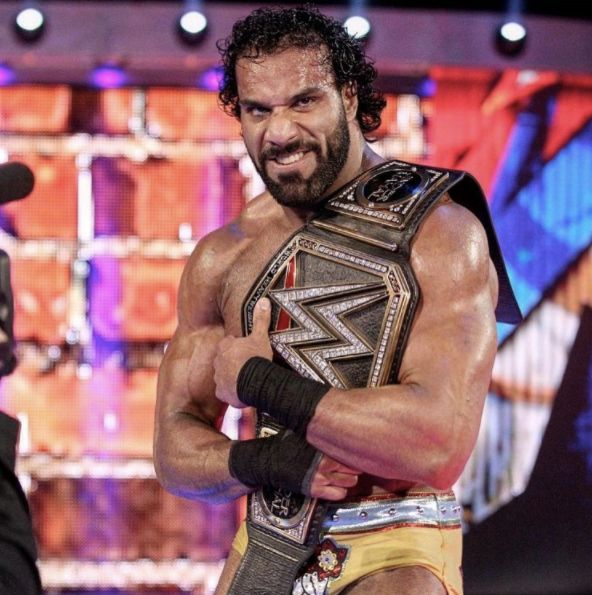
108	76
210	79
192	26
7	76
426	87
358	26
29	24
510	38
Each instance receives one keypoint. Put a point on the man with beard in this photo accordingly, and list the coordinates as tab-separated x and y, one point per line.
353	306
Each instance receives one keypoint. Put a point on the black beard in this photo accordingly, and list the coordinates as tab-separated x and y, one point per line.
292	190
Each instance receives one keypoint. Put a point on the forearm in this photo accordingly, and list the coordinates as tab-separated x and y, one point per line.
394	432
418	433
223	470
421	430
191	460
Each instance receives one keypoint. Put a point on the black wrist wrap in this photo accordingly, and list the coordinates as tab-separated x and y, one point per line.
283	461
289	398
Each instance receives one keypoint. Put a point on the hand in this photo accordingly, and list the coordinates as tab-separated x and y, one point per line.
332	480
232	353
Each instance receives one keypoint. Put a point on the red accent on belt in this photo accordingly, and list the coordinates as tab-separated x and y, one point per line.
284	320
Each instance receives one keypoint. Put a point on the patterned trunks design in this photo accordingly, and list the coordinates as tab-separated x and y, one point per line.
328	564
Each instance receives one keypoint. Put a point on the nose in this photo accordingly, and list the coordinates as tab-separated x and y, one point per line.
281	128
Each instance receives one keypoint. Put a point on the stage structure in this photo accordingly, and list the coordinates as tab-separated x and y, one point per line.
128	178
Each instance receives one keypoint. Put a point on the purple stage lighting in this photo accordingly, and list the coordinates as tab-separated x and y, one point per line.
108	76
210	79
7	76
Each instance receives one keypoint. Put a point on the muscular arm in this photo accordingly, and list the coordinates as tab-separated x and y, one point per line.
190	454
424	428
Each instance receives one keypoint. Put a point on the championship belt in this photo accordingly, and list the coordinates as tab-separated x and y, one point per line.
343	299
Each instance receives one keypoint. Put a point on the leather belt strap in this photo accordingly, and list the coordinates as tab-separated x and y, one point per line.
271	562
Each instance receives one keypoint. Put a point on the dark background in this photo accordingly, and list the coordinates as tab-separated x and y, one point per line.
569	9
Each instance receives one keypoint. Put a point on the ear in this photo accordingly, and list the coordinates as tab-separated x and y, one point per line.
349	96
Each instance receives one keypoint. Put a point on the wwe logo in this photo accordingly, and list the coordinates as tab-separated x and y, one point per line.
322	333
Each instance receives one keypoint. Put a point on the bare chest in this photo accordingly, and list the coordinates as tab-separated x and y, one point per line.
244	271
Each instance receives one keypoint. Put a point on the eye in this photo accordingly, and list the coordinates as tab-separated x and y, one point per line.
305	102
257	111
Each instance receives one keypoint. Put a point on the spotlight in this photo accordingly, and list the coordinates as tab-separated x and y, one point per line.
108	76
358	27
210	79
192	26
7	76
510	38
426	87
29	24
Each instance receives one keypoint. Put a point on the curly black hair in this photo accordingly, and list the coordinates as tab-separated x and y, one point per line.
269	30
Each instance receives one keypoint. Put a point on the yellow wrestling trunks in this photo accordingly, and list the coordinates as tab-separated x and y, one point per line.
362	537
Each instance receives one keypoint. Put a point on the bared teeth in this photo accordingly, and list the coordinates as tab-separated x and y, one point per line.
287	160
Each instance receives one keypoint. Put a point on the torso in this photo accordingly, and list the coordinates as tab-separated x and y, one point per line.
241	251
258	235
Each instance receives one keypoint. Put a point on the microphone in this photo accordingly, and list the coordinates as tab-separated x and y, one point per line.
16	181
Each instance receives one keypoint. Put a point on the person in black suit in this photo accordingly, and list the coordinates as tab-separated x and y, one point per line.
18	552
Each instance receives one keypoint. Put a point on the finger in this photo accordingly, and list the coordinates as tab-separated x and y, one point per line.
339	468
225	343
328	493
261	317
343	480
328	465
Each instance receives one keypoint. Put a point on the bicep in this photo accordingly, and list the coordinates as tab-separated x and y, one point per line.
453	340
185	378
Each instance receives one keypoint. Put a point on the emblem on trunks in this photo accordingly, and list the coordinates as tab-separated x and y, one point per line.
327	565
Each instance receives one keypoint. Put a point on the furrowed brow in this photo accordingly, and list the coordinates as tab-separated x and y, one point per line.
253	103
246	103
306	93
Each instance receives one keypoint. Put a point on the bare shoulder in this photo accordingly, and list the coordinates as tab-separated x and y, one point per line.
452	243
213	257
456	313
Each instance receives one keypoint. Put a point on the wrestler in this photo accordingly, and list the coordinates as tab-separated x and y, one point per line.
381	452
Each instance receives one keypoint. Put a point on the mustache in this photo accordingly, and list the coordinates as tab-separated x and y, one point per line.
273	151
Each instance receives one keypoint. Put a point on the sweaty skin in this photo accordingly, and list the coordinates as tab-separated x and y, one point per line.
417	433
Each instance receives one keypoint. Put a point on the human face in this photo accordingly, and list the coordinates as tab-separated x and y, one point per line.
294	124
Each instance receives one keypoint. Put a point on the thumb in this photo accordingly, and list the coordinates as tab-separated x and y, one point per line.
261	317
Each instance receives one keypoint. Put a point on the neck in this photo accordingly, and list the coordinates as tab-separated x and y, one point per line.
370	158
361	157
